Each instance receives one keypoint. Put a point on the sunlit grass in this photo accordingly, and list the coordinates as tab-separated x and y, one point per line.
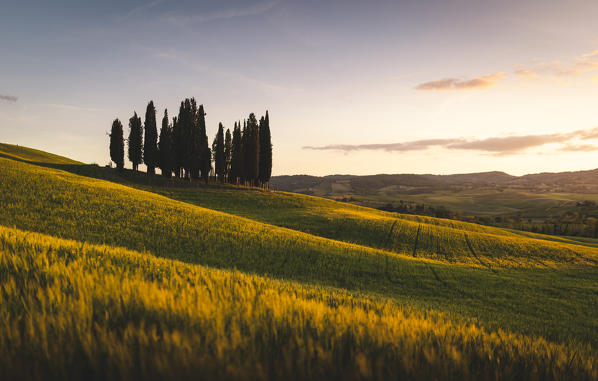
33	155
72	310
525	293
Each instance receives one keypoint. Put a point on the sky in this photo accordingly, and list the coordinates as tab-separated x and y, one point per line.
351	87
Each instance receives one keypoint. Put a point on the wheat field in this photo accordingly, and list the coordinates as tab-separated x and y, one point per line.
107	275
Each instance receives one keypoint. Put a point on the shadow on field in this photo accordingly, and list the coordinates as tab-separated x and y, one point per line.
128	176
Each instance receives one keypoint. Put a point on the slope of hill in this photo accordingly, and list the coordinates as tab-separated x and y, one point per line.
579	181
535	196
33	155
74	310
468	273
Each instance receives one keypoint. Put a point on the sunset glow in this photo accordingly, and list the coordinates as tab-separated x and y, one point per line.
351	87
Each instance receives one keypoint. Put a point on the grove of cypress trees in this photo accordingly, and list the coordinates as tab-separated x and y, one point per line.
265	162
236	163
135	141
165	149
243	155
150	144
228	150
218	152
117	144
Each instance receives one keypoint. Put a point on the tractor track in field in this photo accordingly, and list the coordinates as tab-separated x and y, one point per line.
477	257
414	254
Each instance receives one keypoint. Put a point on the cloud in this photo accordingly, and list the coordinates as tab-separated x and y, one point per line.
589	55
253	10
526	73
482	82
72	107
579	148
8	98
141	8
504	145
509	144
201	67
415	145
582	64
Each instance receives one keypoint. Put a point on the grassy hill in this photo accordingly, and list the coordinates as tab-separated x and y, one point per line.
535	196
471	289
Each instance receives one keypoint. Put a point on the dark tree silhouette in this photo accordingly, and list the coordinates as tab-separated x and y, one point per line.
228	151
185	141
205	154
165	149
265	162
195	153
135	141
117	144
218	152
236	164
150	144
175	159
243	156
251	148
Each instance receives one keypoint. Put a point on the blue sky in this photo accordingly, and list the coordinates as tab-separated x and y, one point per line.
356	87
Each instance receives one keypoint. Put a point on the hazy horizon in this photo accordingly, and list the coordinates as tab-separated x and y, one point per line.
421	87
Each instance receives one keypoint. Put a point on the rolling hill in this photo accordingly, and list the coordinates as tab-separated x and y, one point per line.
488	194
142	276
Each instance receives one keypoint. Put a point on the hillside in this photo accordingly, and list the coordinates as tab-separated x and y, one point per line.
567	182
535	197
440	273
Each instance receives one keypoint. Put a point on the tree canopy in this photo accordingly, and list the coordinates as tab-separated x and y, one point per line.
242	157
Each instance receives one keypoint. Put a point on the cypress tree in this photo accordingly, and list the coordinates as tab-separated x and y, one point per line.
218	152
228	151
245	152
165	149
183	139
265	171
195	149
135	141
252	150
117	144
187	137
150	144
205	154
236	165
175	158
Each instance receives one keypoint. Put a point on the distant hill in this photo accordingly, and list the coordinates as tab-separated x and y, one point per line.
576	182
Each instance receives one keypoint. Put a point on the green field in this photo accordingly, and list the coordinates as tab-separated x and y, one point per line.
490	194
116	272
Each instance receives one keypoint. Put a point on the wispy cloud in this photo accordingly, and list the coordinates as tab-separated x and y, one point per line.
504	145
61	106
582	64
526	73
141	8
8	98
579	148
200	67
482	82
252	10
590	54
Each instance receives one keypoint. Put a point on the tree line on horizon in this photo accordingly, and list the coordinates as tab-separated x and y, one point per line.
182	149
